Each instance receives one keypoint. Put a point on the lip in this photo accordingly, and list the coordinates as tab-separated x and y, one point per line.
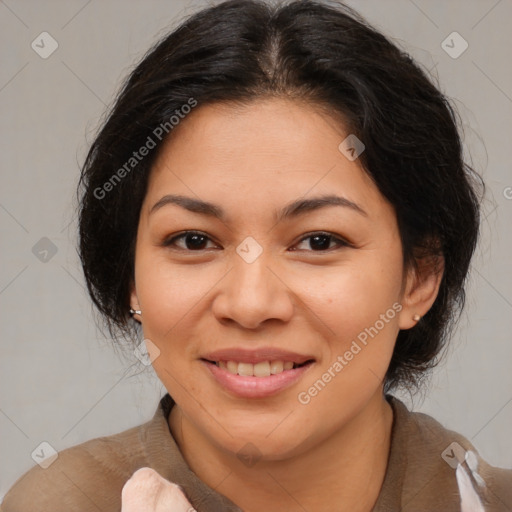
256	387
257	355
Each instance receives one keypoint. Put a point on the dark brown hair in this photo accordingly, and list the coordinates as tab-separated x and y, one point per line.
242	50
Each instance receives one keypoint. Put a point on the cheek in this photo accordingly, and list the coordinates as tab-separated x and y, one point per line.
169	294
360	305
353	296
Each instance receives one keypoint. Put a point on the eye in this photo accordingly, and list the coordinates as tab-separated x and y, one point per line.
192	241
197	241
321	241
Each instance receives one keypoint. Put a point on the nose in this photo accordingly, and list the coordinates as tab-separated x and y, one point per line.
252	293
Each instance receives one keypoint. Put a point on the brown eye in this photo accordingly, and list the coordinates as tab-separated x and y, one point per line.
191	241
194	241
321	242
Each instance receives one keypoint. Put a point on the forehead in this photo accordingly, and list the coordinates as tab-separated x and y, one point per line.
267	151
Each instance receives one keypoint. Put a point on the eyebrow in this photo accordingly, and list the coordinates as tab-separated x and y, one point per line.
293	209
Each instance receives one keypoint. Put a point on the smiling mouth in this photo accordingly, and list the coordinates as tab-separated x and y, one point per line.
260	369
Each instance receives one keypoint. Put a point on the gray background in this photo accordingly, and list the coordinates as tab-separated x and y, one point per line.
60	380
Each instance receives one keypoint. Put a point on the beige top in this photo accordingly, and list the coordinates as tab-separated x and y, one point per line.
423	471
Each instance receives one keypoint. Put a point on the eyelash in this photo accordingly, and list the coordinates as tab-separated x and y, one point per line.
333	238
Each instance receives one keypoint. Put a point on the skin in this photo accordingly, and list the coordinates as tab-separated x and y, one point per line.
331	453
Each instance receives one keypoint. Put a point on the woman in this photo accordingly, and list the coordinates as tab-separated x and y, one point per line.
278	205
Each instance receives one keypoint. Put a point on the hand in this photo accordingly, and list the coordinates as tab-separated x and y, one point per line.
147	491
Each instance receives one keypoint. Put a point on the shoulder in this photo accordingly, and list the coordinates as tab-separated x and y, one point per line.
85	477
447	463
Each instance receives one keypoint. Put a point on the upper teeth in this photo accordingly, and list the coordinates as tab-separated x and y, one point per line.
262	369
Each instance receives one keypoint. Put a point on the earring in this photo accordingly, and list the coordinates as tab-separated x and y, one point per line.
416	317
135	312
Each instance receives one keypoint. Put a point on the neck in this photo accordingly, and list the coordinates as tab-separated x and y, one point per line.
344	472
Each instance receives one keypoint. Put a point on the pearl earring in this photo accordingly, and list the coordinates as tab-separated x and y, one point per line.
416	317
135	312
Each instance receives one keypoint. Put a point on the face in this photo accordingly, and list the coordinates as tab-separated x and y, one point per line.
269	273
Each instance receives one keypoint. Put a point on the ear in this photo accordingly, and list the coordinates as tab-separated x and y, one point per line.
134	303
421	287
